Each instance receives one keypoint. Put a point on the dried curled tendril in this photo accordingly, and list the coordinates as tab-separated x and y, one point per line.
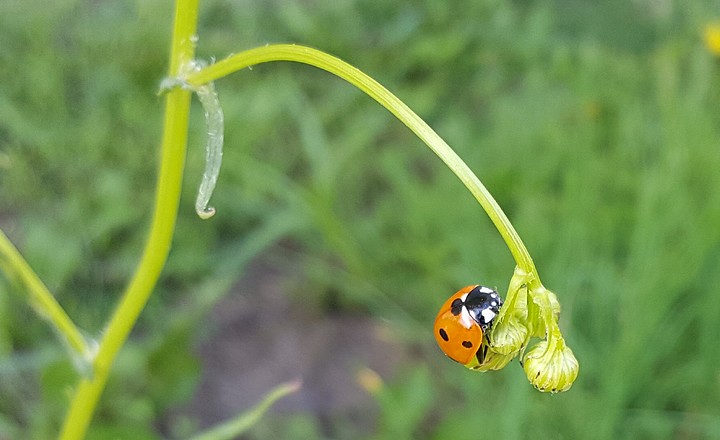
215	123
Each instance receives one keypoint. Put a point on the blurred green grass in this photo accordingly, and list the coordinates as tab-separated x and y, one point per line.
596	126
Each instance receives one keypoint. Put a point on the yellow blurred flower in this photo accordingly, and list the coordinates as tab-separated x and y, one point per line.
369	380
712	38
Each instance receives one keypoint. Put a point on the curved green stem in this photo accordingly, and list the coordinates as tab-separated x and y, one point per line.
321	60
40	297
172	159
236	426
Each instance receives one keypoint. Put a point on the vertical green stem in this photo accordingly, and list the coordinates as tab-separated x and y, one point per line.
172	159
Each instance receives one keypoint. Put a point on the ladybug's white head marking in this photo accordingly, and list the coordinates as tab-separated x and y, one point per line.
488	314
465	318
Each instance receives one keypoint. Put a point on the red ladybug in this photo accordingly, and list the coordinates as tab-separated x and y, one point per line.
463	319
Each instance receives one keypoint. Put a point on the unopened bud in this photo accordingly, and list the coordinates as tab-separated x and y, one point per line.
541	298
509	336
551	367
488	360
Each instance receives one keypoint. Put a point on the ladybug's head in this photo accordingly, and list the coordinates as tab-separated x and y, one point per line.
484	304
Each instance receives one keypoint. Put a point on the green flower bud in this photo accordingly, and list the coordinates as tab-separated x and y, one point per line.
510	336
551	366
541	299
491	360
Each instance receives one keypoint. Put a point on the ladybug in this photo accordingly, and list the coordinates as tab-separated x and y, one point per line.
464	319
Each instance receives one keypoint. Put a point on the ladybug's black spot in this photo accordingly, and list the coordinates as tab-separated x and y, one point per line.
467	344
443	334
456	306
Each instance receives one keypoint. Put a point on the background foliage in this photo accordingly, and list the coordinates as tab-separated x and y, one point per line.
595	125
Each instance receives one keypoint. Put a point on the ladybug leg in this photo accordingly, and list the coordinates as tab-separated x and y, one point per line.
482	353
